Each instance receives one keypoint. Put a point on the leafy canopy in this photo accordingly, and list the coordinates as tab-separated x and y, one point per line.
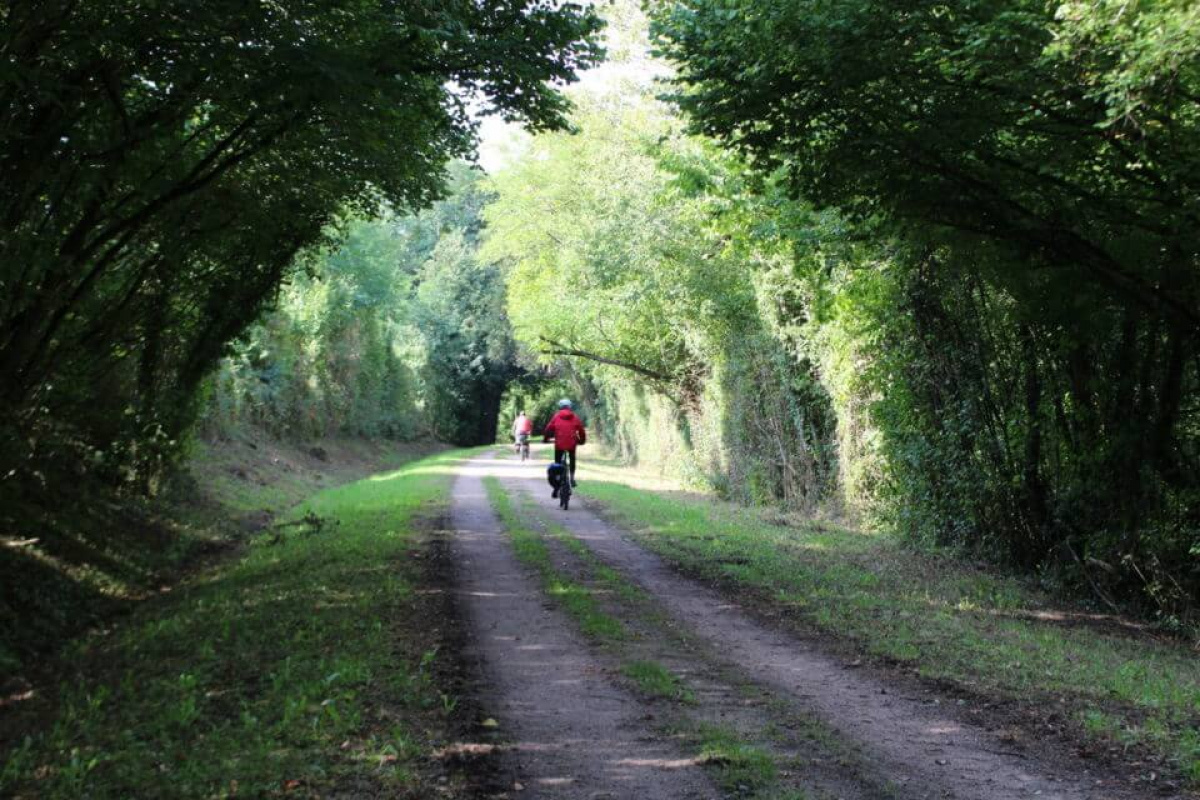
1066	138
164	164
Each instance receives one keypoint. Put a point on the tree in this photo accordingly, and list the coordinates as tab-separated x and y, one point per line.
470	355
629	260
164	164
397	331
1029	171
997	122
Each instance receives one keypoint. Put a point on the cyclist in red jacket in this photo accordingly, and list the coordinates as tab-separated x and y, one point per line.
568	432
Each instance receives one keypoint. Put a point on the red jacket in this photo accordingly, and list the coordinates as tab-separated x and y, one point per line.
567	430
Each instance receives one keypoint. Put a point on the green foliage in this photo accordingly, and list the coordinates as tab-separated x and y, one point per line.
588	271
164	167
1122	52
471	355
627	253
467	355
329	359
537	394
1021	175
397	331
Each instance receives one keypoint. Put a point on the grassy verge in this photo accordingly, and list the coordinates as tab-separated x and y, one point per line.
297	668
250	472
75	553
946	619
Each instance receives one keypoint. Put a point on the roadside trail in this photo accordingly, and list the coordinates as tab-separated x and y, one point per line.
571	733
926	749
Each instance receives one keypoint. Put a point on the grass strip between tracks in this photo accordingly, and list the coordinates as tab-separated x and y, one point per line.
531	550
735	763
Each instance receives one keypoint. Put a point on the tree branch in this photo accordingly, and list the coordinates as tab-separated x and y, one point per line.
557	349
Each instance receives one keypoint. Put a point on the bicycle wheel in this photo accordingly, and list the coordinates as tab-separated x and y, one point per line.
564	492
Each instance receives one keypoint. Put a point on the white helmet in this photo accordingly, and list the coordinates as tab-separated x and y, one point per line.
564	403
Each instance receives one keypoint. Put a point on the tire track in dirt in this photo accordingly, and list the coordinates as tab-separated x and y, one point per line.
810	761
570	732
925	749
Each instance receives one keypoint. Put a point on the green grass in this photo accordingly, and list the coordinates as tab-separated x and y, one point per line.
248	472
531	550
74	553
247	497
267	673
739	767
655	680
612	580
948	620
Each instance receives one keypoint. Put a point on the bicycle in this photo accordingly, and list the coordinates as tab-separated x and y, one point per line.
523	446
564	489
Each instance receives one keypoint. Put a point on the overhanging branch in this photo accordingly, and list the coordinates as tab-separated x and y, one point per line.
557	349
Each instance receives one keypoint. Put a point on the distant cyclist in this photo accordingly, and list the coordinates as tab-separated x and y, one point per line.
568	433
522	429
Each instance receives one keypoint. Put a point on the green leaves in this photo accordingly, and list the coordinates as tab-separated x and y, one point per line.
396	331
1130	55
165	167
968	125
1021	177
606	255
638	258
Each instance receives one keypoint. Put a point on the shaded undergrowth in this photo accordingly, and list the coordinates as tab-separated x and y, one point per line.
69	562
295	668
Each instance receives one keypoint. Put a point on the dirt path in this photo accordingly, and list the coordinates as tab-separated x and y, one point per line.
571	732
809	762
924	749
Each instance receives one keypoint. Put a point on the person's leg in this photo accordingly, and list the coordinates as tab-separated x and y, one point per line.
574	455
